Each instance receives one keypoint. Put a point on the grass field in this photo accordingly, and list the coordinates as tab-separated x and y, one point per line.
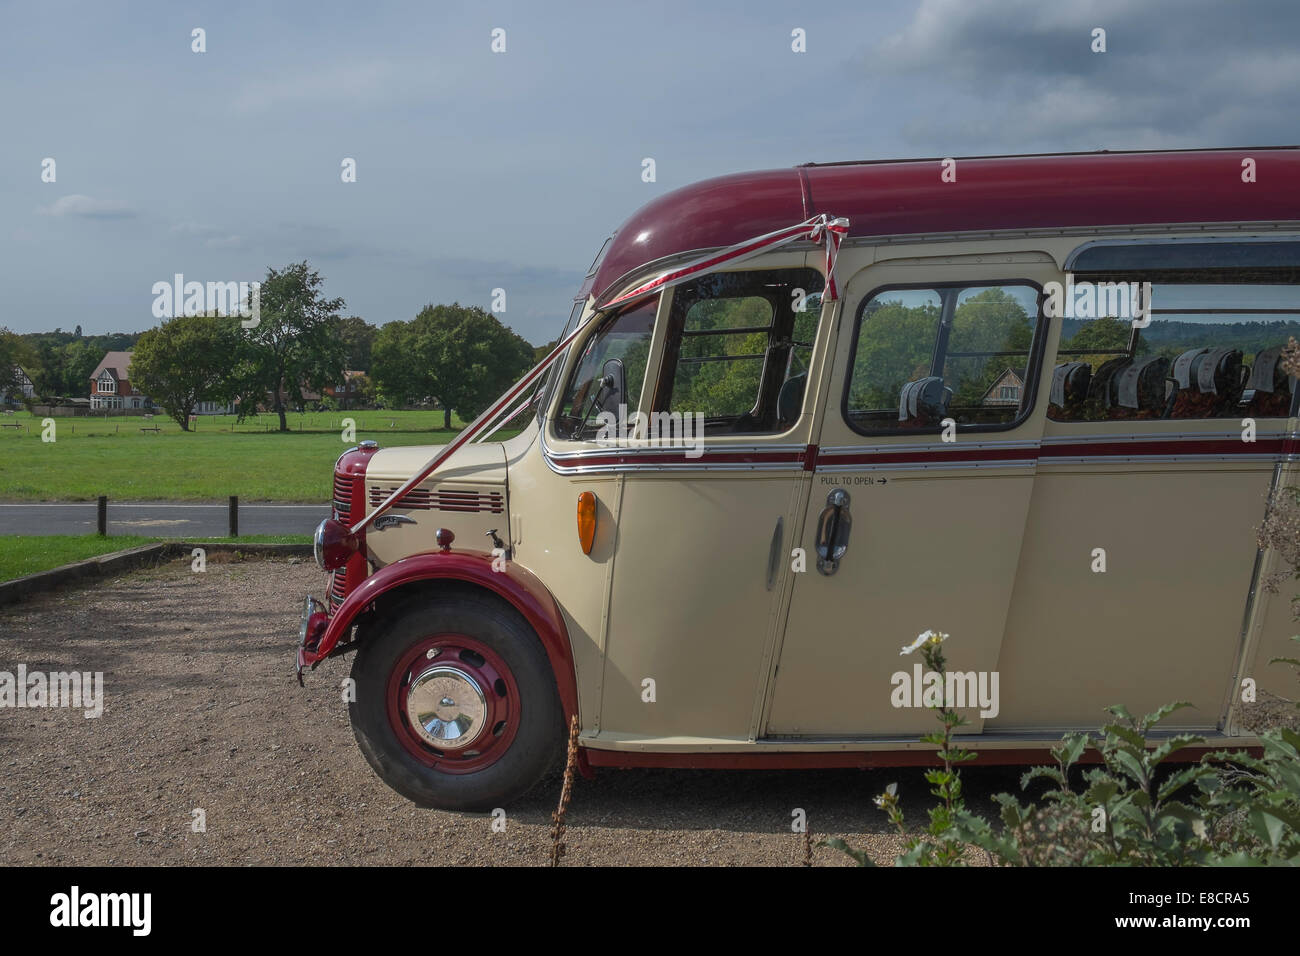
26	554
113	457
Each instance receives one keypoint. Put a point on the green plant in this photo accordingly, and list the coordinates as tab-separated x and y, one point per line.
1133	809
938	844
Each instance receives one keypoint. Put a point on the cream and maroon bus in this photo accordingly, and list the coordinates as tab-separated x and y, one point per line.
798	417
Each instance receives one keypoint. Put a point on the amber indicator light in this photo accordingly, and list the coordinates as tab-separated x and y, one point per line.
586	521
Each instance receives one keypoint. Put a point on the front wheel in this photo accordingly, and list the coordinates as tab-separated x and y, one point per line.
456	706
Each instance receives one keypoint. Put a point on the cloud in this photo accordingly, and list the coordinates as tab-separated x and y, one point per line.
1016	75
88	208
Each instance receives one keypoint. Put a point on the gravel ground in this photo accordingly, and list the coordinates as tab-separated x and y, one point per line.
202	710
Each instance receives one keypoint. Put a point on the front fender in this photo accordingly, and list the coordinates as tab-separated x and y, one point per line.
516	584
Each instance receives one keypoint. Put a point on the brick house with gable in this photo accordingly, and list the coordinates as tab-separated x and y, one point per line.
110	384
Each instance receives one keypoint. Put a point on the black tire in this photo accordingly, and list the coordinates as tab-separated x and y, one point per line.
538	743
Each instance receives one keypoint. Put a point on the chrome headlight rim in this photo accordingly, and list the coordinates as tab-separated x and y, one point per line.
318	544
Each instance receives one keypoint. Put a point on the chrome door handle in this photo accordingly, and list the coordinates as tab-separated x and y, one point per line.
833	529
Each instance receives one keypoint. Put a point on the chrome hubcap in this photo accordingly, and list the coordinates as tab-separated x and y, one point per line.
446	707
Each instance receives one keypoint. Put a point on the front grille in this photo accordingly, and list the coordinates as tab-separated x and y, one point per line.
338	587
443	499
343	494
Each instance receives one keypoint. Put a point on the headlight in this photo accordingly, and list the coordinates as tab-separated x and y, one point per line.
318	544
333	544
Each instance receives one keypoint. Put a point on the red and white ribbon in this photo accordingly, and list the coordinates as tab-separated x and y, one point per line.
825	229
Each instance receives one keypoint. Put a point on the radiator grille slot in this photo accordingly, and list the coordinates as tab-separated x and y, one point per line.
338	587
443	499
343	494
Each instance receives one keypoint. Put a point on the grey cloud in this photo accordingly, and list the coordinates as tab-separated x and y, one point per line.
87	208
1014	71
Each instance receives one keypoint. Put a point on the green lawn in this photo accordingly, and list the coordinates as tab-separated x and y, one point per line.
26	554
111	456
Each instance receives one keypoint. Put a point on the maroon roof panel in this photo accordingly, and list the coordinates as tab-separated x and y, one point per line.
1011	192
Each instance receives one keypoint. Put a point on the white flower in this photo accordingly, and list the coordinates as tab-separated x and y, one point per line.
891	790
929	637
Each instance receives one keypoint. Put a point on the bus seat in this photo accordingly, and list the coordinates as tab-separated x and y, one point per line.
924	402
1267	393
1069	389
1140	388
1103	397
1209	382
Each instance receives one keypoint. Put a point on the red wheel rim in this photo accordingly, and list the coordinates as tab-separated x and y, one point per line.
482	681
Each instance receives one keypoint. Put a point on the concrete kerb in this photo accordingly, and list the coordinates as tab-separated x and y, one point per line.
132	558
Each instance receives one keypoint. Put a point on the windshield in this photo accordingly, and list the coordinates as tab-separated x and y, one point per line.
625	337
542	392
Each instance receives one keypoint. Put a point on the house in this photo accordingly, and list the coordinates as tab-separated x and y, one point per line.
22	389
1005	390
352	387
110	384
213	408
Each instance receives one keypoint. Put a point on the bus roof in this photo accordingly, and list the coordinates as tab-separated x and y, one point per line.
908	197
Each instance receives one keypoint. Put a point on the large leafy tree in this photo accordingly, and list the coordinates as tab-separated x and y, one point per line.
48	378
295	343
80	359
460	355
473	356
190	359
358	338
401	375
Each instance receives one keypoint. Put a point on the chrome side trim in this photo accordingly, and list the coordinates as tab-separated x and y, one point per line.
911	447
571	462
612	448
1148	459
672	466
1234	434
927	466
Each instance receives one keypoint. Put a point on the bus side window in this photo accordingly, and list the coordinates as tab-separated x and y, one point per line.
738	349
1209	350
923	355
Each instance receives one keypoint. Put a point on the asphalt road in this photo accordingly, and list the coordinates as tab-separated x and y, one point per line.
159	519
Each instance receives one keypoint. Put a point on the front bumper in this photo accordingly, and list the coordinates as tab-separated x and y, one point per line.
315	618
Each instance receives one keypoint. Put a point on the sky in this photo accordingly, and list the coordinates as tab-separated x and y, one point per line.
478	170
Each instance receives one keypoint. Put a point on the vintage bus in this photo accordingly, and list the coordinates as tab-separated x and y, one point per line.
1035	402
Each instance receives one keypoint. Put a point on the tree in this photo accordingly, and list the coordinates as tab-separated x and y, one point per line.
358	338
473	357
80	359
401	377
294	343
461	355
187	360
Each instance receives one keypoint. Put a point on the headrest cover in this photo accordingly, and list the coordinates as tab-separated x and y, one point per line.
1205	377
1059	375
1263	375
1183	366
1129	380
